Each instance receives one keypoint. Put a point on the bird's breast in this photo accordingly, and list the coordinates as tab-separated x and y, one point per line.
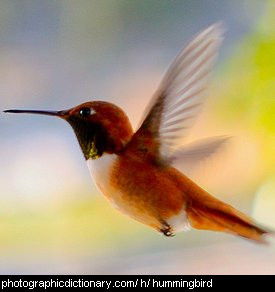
104	172
139	190
100	170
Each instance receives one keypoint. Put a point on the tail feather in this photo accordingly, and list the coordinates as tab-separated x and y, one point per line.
212	214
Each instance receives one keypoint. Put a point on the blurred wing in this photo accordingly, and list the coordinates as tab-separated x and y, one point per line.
180	93
195	152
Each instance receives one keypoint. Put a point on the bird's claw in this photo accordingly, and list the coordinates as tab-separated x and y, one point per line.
167	230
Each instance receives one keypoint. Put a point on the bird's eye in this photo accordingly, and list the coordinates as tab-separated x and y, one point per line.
85	112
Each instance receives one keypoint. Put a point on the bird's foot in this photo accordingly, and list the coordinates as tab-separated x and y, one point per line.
167	230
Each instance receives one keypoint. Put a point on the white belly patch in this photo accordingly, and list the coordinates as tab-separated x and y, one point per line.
100	171
179	222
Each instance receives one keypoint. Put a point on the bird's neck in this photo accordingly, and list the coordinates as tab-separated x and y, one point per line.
96	140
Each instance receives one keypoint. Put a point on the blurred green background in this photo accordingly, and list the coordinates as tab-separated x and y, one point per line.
57	54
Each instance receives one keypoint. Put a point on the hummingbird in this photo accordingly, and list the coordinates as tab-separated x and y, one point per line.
134	170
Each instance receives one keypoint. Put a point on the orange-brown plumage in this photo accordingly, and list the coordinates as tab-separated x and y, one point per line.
148	189
156	194
135	171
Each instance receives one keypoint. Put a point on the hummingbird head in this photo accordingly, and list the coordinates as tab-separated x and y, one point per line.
100	127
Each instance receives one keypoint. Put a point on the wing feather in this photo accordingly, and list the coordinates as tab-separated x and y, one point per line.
180	94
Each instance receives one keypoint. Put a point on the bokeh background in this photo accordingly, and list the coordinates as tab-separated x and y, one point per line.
57	54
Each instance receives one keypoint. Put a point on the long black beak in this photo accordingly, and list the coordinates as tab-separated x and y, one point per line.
60	114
